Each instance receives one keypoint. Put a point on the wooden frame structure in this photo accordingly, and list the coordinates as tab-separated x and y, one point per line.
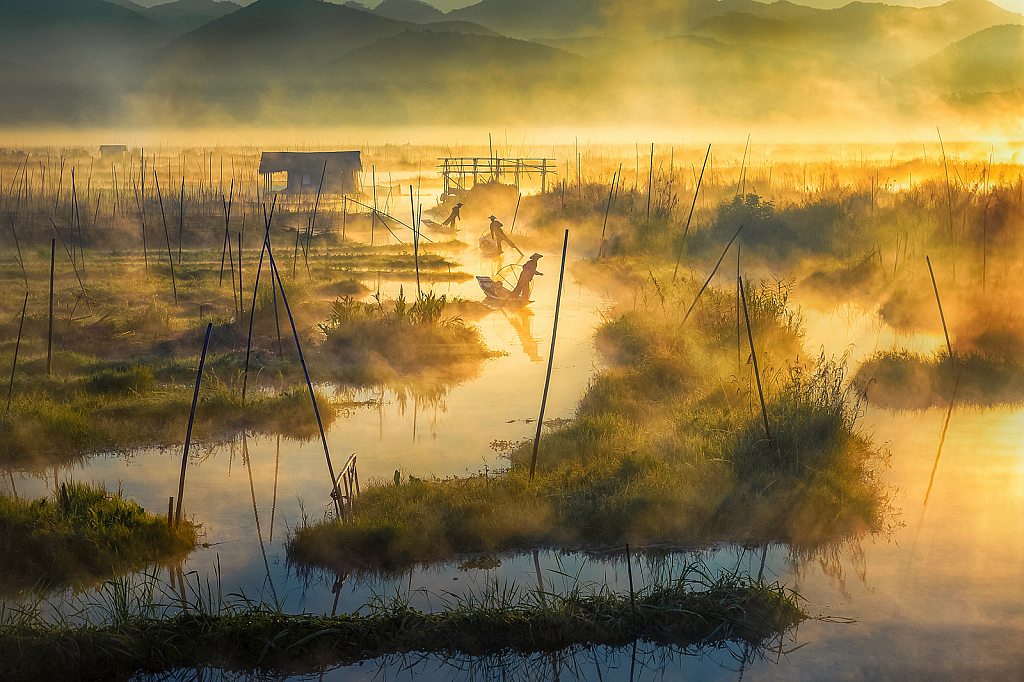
346	487
458	171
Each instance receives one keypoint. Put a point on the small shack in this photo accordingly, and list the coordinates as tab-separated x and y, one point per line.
113	149
339	171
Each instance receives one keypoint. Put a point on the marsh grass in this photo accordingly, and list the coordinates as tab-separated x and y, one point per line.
381	341
123	408
139	624
667	447
902	380
84	531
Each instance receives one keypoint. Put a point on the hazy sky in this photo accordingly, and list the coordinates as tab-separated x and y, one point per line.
446	5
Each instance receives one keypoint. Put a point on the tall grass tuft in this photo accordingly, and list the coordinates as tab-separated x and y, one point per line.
83	532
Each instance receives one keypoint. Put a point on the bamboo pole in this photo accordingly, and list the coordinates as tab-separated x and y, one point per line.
255	289
949	346
226	208
181	217
949	204
753	355
17	347
191	421
650	183
49	333
708	281
312	394
241	301
415	242
696	192
312	223
234	290
167	238
739	341
607	209
21	259
551	358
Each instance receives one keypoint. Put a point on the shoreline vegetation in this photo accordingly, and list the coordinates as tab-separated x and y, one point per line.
668	447
84	533
91	404
901	380
143	625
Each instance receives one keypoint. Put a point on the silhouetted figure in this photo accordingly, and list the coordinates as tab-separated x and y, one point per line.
450	220
498	236
522	290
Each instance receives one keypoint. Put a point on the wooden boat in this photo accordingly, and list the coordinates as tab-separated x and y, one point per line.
498	294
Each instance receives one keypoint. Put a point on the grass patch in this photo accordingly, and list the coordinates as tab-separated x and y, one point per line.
383	341
83	532
668	447
901	380
53	419
134	631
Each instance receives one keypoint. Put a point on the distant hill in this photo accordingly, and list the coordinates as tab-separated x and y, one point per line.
183	16
59	32
743	28
416	11
447	78
290	34
991	60
869	32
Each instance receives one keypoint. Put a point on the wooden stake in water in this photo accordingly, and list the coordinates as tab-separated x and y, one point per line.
753	356
551	358
49	333
17	346
191	421
949	346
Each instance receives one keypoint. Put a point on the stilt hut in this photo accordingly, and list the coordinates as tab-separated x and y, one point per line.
305	169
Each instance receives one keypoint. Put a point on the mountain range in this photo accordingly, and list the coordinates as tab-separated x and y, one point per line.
195	62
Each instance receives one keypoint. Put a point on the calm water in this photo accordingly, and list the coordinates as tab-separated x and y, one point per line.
938	598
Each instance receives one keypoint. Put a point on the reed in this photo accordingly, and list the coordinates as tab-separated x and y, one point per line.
143	625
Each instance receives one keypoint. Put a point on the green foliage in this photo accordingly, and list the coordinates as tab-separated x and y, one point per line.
83	532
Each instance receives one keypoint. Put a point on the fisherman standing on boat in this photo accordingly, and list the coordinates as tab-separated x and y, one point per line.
450	220
522	290
498	236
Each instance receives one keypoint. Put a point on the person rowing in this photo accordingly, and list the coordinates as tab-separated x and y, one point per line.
498	236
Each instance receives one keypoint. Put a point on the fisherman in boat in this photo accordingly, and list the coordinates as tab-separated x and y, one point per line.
498	236
450	220
522	290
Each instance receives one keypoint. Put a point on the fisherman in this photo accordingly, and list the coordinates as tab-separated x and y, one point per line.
522	290
450	220
498	236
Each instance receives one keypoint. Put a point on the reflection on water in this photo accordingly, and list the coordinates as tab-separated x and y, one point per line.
939	598
633	663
